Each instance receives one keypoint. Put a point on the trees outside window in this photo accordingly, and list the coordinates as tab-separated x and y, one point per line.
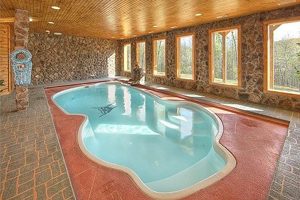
159	57
283	63
140	55
185	56
225	56
127	57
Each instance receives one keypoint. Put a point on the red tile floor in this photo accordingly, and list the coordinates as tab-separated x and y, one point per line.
255	143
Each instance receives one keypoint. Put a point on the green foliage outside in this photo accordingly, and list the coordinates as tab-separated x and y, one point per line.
230	55
298	69
186	58
287	64
1	84
127	58
160	56
142	62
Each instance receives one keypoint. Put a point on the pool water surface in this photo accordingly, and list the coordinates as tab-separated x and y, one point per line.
169	147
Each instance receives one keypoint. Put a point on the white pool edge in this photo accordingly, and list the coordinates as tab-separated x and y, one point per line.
226	154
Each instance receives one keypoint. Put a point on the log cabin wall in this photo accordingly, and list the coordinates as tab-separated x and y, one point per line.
252	59
5	48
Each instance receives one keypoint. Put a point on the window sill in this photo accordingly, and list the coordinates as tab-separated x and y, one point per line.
226	85
185	79
283	93
159	75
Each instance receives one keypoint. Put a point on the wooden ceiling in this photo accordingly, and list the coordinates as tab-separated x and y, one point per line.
130	18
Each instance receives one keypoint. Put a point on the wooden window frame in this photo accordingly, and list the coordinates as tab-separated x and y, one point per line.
268	63
124	45
154	57
137	53
211	60
178	37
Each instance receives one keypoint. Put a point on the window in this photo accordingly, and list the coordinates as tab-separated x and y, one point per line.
225	56
283	56
185	56
127	57
159	57
140	55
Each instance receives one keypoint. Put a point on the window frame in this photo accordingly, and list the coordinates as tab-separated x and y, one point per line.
178	56
153	57
136	52
268	76
239	59
125	44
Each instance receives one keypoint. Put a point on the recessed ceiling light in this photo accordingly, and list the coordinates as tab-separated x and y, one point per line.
154	26
47	31
55	7
222	16
198	14
57	33
173	26
50	22
30	19
286	2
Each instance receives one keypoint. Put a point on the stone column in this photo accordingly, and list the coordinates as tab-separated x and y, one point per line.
21	28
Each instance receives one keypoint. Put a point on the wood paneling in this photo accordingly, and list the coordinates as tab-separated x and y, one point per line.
130	18
4	58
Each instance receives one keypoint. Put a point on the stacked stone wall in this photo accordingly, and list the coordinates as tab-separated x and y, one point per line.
67	58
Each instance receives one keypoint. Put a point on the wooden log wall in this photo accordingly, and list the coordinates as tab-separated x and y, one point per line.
5	73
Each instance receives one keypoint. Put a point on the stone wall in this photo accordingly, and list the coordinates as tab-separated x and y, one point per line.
21	32
66	58
252	59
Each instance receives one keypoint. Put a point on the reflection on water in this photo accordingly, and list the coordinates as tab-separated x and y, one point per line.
112	94
180	123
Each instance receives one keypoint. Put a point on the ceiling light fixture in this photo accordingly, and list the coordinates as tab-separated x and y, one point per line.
154	26
173	27
30	19
50	22
55	7
47	31
222	16
198	14
57	33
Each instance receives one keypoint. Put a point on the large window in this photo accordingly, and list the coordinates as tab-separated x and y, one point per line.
225	56
140	55
185	56
127	57
159	57
283	56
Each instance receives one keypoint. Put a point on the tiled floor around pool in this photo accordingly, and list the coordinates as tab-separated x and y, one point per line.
256	156
25	132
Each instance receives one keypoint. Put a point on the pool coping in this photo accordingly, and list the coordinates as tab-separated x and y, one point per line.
222	150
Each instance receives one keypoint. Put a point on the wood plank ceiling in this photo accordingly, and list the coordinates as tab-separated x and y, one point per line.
130	18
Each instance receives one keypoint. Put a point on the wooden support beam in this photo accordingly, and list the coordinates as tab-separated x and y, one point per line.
7	20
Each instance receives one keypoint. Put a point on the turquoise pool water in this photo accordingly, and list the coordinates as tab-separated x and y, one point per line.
169	145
